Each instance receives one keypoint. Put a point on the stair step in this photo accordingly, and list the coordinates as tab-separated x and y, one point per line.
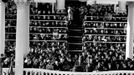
75	43
75	36
78	30
75	40
75	33
75	47
75	27
75	30
75	51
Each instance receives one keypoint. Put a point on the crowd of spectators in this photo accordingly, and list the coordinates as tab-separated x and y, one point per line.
48	37
9	54
10	24
105	31
38	29
48	33
45	35
44	9
108	17
47	54
47	17
102	54
96	56
101	38
105	24
104	10
104	40
49	23
10	10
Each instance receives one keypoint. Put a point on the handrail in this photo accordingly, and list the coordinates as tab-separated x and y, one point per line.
32	71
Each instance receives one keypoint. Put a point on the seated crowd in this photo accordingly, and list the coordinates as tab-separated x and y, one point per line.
100	38
53	55
104	10
43	9
105	31
49	23
105	24
109	17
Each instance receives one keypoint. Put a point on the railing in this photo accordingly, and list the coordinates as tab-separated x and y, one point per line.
31	71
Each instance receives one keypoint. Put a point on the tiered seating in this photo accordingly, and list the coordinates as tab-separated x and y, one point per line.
48	38
48	31
104	38
44	9
10	28
46	26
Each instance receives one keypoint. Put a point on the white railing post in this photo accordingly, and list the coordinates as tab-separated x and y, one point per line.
42	73
52	72
26	72
31	72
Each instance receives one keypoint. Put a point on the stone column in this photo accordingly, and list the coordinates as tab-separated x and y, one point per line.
60	4
2	28
22	34
130	31
2	32
122	6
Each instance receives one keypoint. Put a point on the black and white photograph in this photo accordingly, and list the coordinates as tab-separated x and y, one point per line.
66	37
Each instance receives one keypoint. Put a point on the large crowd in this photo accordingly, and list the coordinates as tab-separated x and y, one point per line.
100	54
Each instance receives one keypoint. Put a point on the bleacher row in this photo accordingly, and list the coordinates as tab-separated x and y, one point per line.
104	39
48	31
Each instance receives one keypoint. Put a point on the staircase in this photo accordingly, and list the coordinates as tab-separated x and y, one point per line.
75	37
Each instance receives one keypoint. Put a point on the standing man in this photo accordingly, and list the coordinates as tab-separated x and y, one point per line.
70	15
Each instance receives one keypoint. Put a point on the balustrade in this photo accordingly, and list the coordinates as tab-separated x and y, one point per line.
30	71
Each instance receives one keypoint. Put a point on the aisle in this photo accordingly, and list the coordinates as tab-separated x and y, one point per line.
75	34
